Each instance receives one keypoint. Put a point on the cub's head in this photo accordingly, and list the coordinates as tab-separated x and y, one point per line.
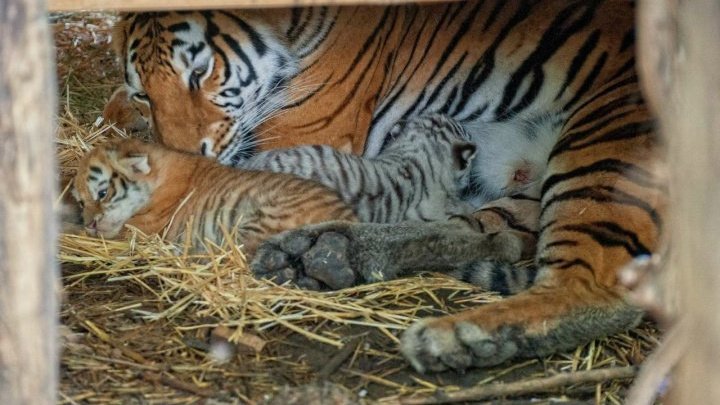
444	138
207	78
127	113
111	185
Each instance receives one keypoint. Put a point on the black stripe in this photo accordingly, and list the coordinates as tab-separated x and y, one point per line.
297	28
607	195
629	81
317	35
235	46
629	171
564	264
628	40
499	282
486	64
211	31
602	112
366	45
609	234
397	91
508	217
181	26
629	66
579	60
523	197
195	49
628	131
588	82
562	28
462	30
492	17
177	42
562	242
254	36
359	81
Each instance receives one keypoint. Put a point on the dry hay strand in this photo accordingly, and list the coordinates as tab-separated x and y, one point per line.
147	322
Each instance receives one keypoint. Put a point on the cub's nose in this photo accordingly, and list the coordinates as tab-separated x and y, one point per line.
206	148
91	228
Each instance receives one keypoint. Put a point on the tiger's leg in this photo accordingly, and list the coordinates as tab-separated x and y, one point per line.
601	206
478	249
342	254
519	214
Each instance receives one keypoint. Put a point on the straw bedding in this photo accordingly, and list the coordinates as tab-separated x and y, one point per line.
142	324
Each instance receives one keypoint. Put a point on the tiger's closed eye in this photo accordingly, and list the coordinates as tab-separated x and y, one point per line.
200	71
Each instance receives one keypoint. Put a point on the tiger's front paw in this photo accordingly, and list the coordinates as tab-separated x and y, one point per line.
437	344
313	258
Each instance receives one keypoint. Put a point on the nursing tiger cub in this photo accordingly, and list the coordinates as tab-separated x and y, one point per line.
155	189
560	72
418	176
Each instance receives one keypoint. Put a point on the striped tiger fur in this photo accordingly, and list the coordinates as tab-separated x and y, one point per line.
418	176
559	73
152	188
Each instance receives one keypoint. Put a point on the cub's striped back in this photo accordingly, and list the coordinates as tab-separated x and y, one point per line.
158	190
418	176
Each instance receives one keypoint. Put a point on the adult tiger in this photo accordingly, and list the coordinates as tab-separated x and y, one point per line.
558	73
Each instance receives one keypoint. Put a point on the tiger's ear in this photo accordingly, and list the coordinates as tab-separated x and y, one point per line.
136	163
463	153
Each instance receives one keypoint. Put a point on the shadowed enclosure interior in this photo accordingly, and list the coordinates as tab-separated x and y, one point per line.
137	319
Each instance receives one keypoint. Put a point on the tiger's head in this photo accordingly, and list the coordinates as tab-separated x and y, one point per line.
445	140
208	78
112	184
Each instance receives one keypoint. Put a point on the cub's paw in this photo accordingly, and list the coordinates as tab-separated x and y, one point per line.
314	258
437	344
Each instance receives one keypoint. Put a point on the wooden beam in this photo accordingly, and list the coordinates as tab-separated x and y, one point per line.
679	61
28	270
146	5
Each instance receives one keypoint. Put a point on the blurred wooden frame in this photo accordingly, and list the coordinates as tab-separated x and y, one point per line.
144	5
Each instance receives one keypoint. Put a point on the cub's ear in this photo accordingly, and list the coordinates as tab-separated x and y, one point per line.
137	163
463	153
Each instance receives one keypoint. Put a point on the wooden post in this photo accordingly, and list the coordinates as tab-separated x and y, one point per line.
680	65
28	270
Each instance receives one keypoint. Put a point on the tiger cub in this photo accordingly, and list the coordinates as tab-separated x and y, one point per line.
418	176
154	189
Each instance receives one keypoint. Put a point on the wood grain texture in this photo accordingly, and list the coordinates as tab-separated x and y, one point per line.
143	5
28	273
679	61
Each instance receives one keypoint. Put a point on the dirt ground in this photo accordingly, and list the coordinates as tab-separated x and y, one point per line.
113	352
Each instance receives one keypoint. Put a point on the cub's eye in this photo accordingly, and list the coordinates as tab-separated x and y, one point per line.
102	194
81	204
141	97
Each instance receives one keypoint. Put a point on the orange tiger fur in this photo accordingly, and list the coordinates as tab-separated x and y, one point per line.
153	188
560	72
126	113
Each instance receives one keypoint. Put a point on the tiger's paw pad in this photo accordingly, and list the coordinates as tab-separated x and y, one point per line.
432	345
312	262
